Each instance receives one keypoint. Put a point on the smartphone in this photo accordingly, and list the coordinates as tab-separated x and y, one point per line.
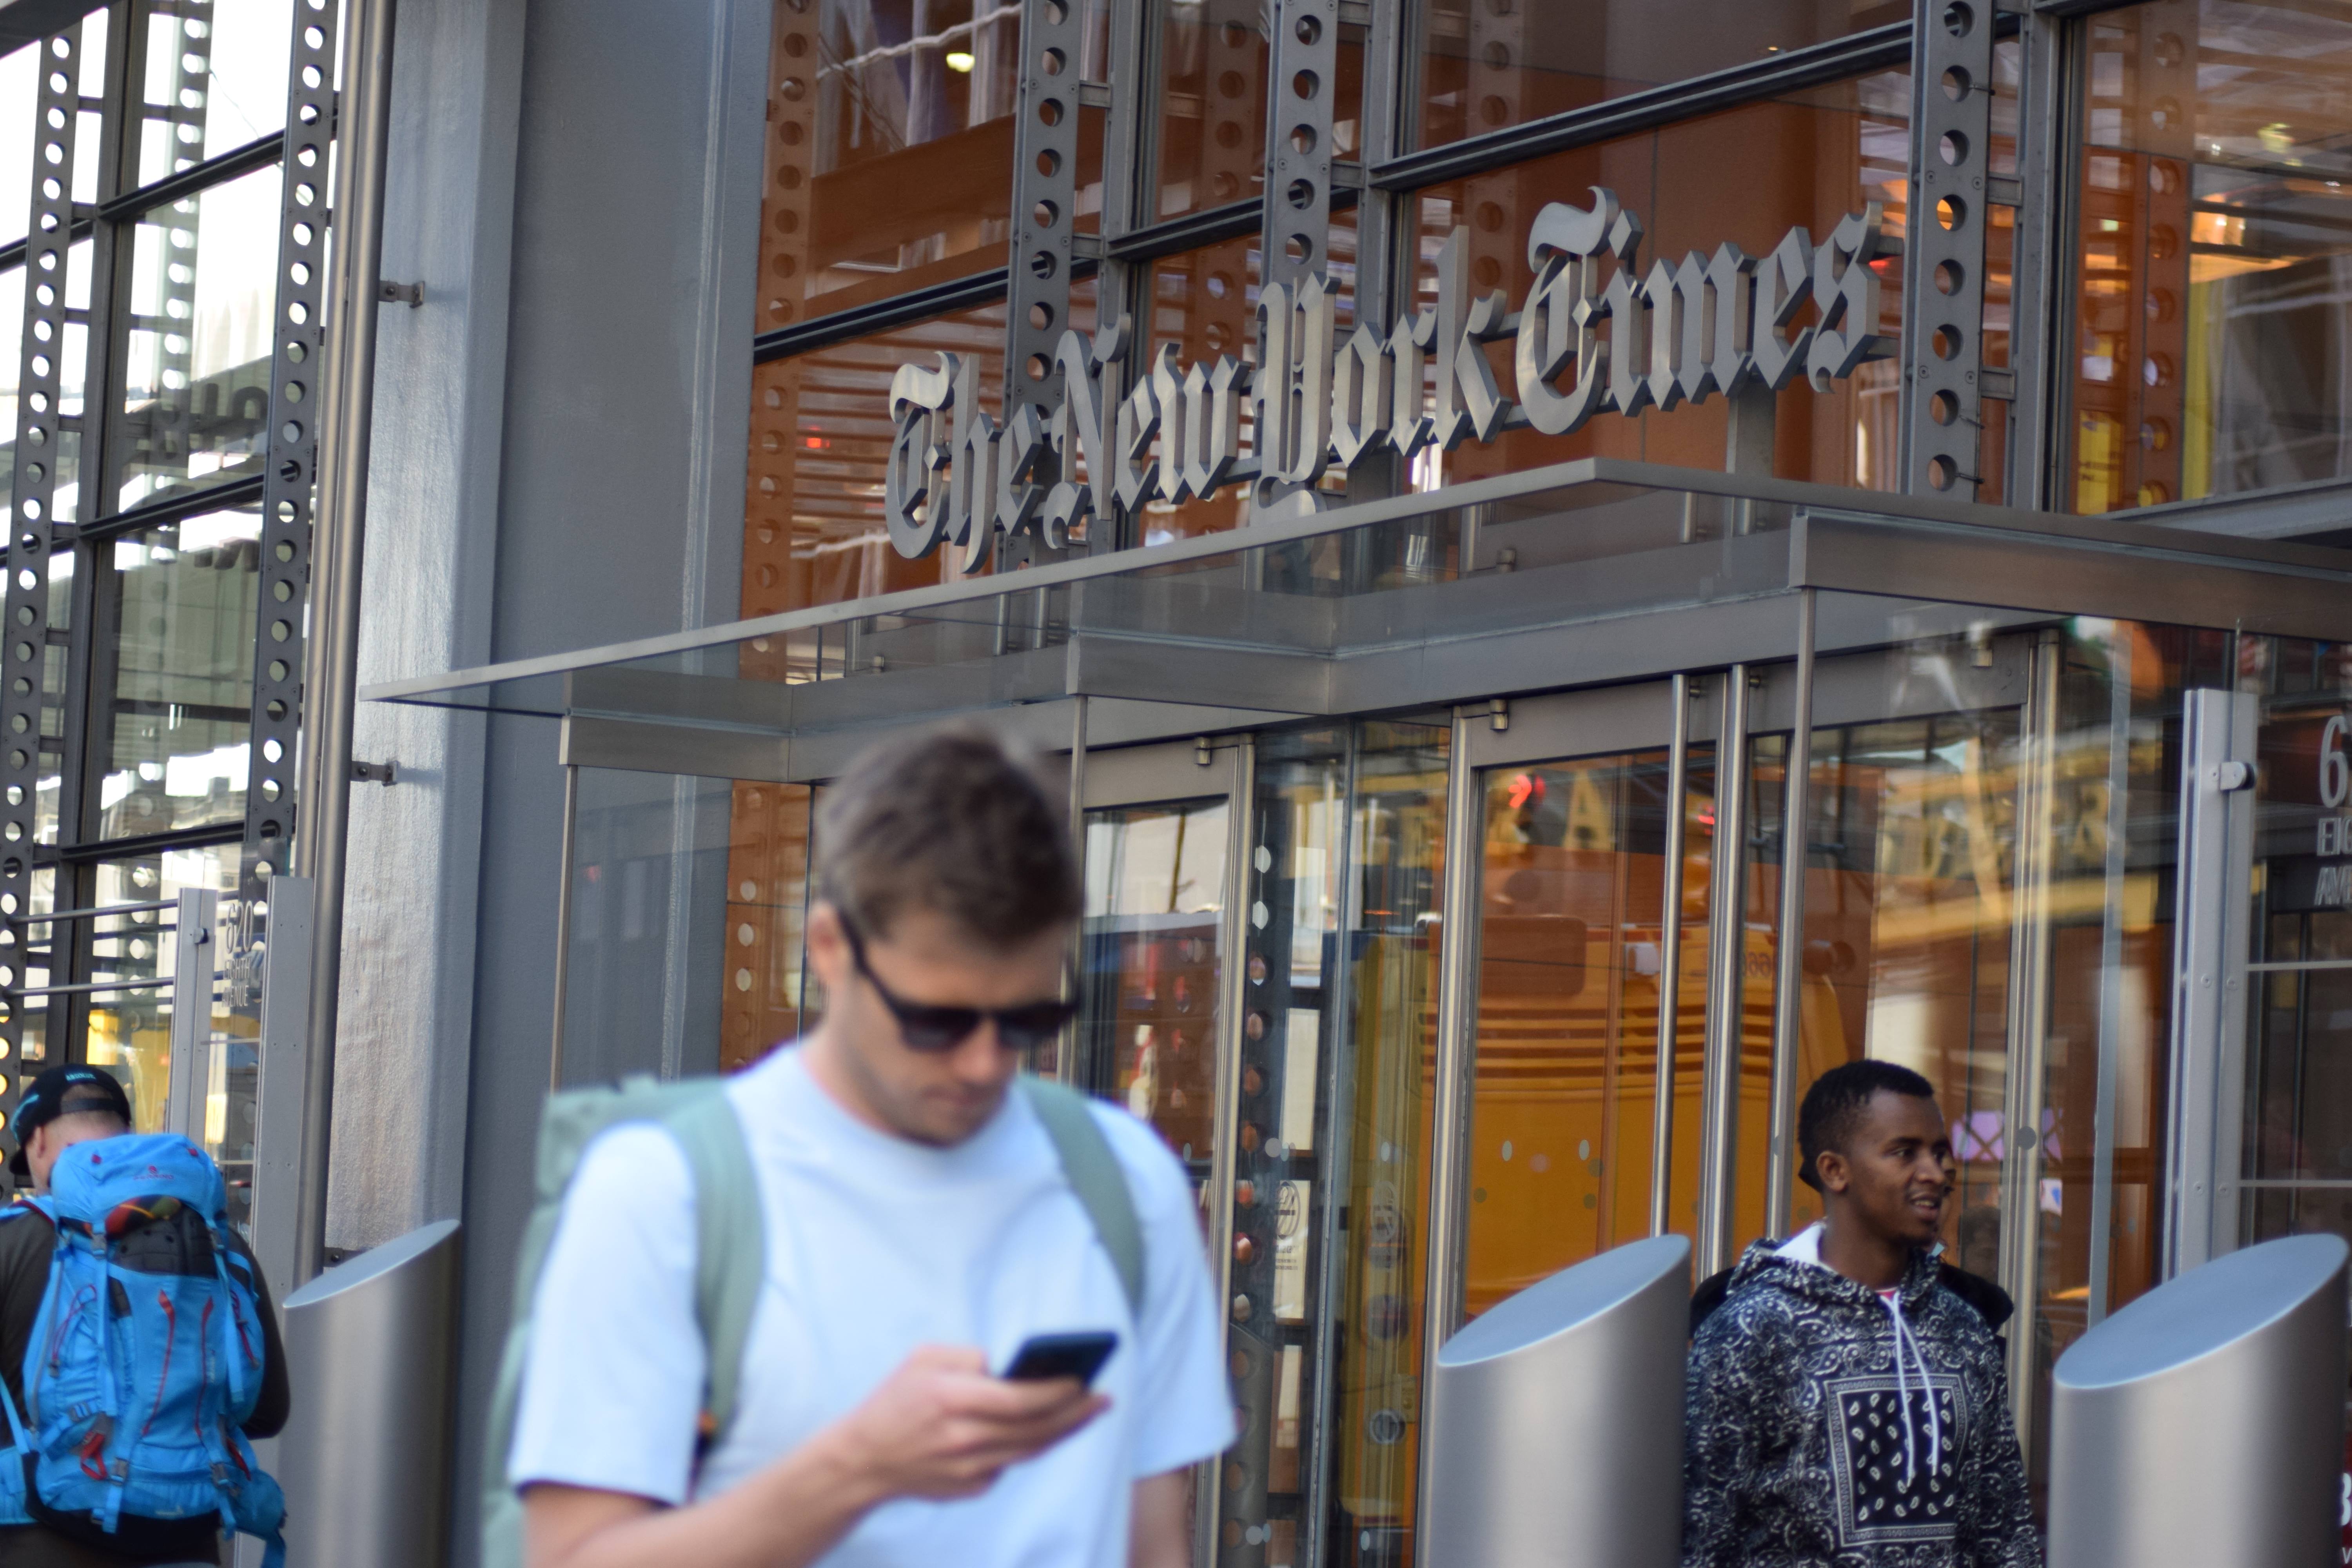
1046	1356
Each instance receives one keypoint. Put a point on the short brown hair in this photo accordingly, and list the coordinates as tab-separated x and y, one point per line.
953	821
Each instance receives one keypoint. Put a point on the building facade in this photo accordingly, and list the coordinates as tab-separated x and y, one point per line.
1430	467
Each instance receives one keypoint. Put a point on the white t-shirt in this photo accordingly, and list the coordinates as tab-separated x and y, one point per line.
874	1245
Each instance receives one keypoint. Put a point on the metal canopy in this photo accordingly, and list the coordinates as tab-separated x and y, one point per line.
1584	573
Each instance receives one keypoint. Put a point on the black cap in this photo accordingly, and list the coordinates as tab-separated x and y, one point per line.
88	1088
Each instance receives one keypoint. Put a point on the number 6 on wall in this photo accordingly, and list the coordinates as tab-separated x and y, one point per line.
2335	773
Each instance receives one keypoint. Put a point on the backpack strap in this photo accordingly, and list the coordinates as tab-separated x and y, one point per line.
1097	1177
731	1244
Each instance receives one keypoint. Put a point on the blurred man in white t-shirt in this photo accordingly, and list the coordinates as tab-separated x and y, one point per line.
919	1227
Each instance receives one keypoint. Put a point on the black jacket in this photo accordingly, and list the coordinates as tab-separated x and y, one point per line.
26	1244
1824	1431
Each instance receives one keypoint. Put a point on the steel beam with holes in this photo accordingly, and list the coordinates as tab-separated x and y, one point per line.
1297	234
296	383
1044	205
1944	259
39	444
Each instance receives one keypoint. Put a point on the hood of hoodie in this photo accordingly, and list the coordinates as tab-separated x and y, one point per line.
1764	1262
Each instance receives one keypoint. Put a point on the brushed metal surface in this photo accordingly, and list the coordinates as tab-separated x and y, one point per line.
1554	1426
2202	1425
366	1460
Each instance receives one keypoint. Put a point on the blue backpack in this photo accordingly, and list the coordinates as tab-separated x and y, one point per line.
145	1359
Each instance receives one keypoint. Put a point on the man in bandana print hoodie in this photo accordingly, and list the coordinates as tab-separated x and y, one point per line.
1844	1408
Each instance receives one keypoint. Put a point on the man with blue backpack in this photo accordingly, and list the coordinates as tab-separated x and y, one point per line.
139	1350
770	1320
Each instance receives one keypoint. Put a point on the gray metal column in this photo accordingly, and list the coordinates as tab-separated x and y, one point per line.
2210	939
1453	1091
1727	974
1552	1432
2204	1422
1944	246
1670	961
40	444
1044	214
340	543
288	493
192	967
370	1350
277	1110
1788	972
2028	1018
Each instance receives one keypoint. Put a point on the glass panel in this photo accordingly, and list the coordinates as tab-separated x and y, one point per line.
12	367
195	400
1153	957
56	637
1694	187
1911	850
1396	864
66	504
1282	1337
26	946
820	441
1561	1151
19	84
2214	226
1212	104
89	126
1484	66
889	149
767	888
129	1032
213	82
184	598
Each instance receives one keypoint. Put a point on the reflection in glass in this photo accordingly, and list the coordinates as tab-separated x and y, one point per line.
12	364
2299	1100
890	138
1213	107
185	607
1695	186
214	82
195	399
813	531
1153	955
1566	1079
2212	242
767	887
19	82
1396	866
1486	66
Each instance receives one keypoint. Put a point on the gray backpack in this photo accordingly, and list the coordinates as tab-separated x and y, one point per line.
730	1240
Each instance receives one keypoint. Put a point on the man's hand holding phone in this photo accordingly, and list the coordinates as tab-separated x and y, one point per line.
942	1427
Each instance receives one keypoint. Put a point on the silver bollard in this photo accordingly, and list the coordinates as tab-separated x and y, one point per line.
1554	1432
2203	1425
370	1350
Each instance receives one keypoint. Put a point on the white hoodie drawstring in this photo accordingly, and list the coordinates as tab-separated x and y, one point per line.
1902	1334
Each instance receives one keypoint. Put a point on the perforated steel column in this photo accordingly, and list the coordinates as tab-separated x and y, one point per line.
1943	293
1303	72
30	536
1045	202
295	384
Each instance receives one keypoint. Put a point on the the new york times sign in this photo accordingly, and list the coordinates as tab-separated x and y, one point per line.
1597	335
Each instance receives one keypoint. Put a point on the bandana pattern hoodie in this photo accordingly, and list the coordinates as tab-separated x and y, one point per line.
1830	1427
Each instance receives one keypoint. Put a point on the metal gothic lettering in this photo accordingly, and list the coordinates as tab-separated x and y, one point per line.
1584	343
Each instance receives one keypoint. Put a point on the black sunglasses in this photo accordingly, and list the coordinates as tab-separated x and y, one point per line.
937	1029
